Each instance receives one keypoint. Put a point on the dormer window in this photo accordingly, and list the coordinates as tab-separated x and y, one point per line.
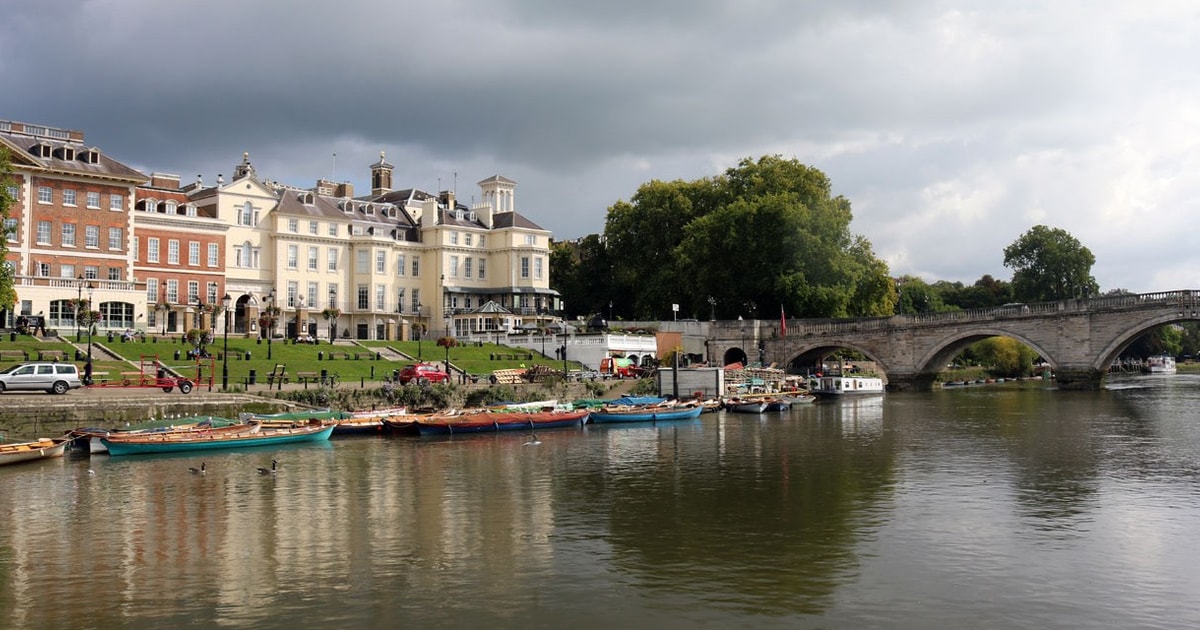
149	205
306	198
189	210
472	216
169	207
65	153
41	150
458	215
91	156
369	209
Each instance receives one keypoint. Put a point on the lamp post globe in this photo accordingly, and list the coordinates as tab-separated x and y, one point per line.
225	303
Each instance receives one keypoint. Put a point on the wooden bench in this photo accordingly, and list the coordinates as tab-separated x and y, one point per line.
335	355
52	355
364	355
305	377
13	355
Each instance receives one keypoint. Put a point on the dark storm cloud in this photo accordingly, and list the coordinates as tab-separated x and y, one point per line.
951	127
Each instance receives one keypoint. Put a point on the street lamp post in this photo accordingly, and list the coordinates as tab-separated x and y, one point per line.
418	331
91	289
712	305
270	320
332	320
78	301
225	302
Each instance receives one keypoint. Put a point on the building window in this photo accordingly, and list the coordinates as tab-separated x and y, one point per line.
116	238
10	230
194	253
173	252
172	291
483	269
312	227
333	229
454	238
416	301
364	297
151	290
454	266
314	255
380	297
537	268
381	261
530	239
246	216
43	270
114	273
116	202
68	197
193	291
332	259
137	253
189	210
363	264
14	193
311	299
524	266
400	265
294	226
93	200
43	232
212	293
66	271
292	256
68	235
91	236
214	255
45	194
291	292
91	272
416	267
467	239
467	267
482	240
170	207
152	249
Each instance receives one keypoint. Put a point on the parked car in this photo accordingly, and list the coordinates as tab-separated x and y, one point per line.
422	373
55	378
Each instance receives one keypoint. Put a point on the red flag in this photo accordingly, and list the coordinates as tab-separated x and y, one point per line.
782	322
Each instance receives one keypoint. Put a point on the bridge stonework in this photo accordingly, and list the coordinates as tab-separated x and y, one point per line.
1078	338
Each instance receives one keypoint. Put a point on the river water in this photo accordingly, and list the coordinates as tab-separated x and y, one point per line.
999	506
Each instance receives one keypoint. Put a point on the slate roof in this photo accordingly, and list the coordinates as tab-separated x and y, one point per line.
21	146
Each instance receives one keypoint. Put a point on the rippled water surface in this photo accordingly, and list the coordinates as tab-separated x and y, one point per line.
998	506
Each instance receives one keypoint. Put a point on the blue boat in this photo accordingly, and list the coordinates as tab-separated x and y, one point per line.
651	413
238	436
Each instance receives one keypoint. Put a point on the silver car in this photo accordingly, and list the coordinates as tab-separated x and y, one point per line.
54	378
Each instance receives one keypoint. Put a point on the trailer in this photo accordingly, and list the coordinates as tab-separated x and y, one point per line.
153	373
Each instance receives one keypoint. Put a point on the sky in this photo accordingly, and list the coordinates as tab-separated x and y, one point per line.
951	127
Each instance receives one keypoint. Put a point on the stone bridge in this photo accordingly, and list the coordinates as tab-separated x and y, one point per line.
1078	338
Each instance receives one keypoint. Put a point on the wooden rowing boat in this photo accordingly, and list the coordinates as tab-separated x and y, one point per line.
43	448
483	421
236	436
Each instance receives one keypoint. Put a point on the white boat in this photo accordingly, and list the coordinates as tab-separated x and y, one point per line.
831	386
1160	365
28	451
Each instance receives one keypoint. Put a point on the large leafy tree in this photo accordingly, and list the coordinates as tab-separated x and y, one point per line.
1049	264
8	294
764	234
581	272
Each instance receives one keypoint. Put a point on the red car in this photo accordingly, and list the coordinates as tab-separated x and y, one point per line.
422	373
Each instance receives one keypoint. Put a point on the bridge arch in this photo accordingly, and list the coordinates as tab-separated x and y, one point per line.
1128	336
942	351
826	347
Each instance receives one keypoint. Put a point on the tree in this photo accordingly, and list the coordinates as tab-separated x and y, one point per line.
8	294
764	233
1049	264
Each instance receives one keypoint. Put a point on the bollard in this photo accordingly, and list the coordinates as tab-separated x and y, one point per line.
372	371
320	355
176	355
253	376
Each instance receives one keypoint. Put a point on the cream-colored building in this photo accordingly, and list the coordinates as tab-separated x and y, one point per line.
393	264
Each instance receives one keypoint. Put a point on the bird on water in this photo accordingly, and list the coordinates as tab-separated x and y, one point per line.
262	470
198	471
